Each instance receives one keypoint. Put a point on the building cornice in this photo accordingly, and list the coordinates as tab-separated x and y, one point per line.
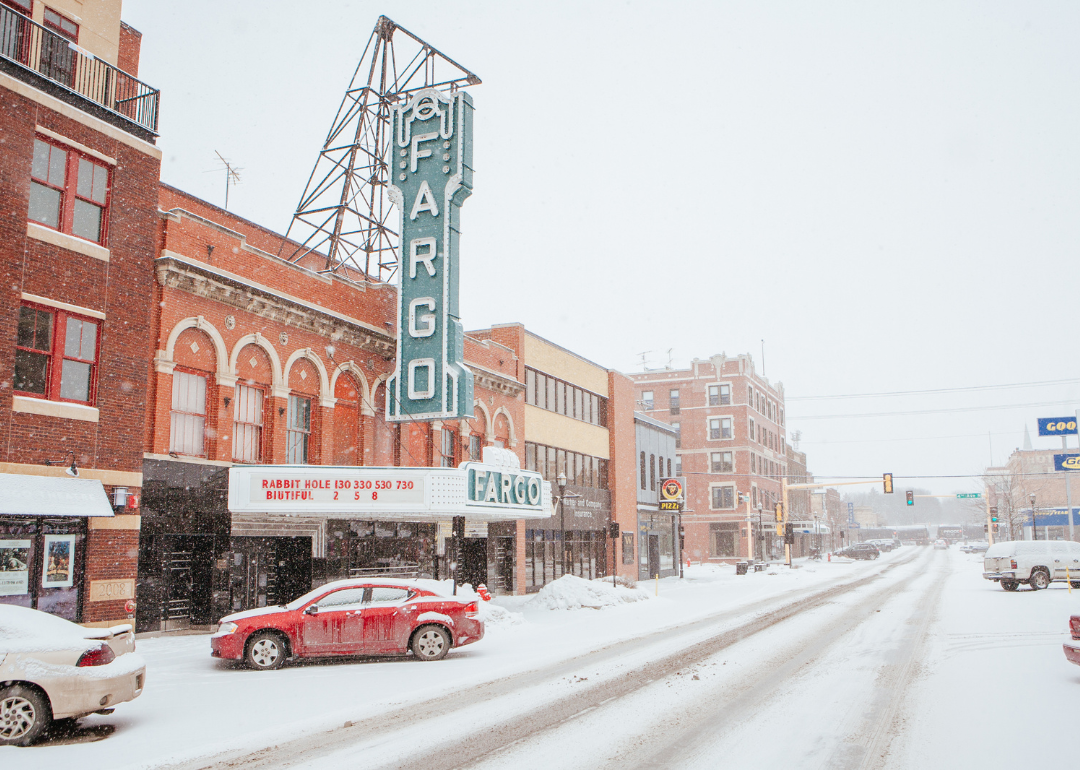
485	378
176	272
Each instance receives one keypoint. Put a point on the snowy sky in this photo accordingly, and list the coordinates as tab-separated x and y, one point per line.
885	193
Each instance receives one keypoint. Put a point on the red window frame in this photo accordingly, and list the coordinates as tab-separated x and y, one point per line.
17	6
57	355
69	190
58	27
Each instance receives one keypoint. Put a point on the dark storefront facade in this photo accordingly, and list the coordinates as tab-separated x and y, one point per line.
29	577
198	562
657	536
584	520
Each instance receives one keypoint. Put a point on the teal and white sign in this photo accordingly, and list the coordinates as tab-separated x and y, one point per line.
502	488
431	169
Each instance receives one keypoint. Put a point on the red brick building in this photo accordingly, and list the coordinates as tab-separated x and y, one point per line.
261	360
731	449
78	221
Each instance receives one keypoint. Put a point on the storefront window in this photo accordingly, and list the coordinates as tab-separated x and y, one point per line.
41	564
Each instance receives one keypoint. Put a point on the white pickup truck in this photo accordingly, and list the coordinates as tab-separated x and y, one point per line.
1035	562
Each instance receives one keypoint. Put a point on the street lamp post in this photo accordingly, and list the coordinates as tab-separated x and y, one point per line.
561	481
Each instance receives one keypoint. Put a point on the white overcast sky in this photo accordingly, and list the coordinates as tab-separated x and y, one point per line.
887	194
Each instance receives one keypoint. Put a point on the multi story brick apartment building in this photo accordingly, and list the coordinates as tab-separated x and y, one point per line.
78	221
262	360
730	424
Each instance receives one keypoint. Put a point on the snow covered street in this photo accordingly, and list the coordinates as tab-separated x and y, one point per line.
863	664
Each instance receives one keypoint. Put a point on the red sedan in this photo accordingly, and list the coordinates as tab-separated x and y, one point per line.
1072	651
351	617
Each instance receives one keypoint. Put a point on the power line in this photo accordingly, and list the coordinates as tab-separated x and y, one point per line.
967	389
915	438
954	410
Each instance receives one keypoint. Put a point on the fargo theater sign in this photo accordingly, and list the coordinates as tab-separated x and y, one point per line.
431	173
478	491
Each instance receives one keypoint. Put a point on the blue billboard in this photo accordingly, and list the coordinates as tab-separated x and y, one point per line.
1057	426
1067	462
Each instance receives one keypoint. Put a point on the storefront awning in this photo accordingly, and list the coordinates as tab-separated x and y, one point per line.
51	496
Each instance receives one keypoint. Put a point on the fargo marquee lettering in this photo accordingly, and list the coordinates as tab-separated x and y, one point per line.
431	172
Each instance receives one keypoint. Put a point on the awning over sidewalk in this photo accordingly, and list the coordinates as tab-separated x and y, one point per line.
51	496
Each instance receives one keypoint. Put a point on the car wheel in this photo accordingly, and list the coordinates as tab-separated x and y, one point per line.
1039	579
431	643
1009	585
24	715
265	651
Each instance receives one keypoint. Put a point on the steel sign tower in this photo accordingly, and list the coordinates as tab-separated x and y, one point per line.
431	163
344	222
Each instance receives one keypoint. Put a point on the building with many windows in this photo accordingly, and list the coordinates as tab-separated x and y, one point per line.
657	531
730	428
78	221
578	425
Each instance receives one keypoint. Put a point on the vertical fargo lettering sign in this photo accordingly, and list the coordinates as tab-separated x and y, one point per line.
431	173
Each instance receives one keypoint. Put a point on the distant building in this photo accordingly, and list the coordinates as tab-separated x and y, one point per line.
1028	472
657	531
730	429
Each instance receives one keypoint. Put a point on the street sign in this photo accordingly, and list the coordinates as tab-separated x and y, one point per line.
968	495
1067	462
1057	426
431	173
851	513
854	525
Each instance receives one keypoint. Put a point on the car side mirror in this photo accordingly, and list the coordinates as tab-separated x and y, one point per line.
312	610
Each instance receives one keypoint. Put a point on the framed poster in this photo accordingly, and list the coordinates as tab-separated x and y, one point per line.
59	562
14	567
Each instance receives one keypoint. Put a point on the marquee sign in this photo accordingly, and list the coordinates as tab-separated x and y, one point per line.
1057	426
1067	462
479	491
431	173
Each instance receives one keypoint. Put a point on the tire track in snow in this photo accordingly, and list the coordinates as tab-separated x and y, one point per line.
408	718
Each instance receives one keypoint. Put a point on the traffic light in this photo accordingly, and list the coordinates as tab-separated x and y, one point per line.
993	514
887	479
779	518
986	527
910	497
789	533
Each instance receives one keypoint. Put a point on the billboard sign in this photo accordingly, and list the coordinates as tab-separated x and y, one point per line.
1067	462
431	173
1057	426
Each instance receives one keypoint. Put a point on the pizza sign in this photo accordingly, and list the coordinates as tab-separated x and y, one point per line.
671	494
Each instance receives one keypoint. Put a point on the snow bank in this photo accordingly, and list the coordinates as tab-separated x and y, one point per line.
495	616
573	593
25	630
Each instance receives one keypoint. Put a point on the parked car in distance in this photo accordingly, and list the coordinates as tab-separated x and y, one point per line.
860	551
941	545
1072	651
977	546
884	544
352	618
1035	562
51	668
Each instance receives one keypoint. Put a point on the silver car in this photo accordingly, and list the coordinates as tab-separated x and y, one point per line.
51	669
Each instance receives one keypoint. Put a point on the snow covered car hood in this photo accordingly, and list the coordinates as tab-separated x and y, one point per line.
25	630
257	612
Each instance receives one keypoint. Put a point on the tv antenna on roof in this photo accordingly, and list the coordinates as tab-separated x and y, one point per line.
644	360
232	176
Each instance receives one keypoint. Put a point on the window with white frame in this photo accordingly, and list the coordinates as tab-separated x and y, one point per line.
720	462
752	434
188	419
719	428
719	395
678	465
678	434
673	400
646	400
247	424
722	498
448	451
296	450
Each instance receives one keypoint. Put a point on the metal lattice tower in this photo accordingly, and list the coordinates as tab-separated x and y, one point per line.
345	222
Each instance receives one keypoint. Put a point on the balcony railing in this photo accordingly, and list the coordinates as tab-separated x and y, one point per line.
46	54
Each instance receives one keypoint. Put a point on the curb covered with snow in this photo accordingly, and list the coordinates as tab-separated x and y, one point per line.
573	593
